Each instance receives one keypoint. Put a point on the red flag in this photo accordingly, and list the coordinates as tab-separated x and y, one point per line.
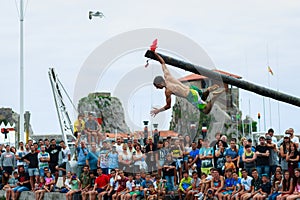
154	45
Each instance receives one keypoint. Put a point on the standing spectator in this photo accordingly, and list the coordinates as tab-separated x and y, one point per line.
273	159
21	153
102	158
241	151
112	157
177	154
206	155
79	125
131	150
82	152
54	150
139	159
33	164
214	143
47	144
249	158
262	160
220	157
271	133
23	184
224	139
92	129
232	151
66	156
283	150
293	138
7	160
92	159
186	149
1	149
119	145
150	150
169	172
43	158
125	159
194	153
160	156
292	158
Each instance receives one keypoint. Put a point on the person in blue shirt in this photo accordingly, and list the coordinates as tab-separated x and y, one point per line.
194	153
232	151
92	158
82	152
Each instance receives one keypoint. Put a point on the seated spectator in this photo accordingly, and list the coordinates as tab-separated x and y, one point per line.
237	187
40	189
160	186
196	184
245	185
49	182
276	185
121	185
79	126
287	186
5	179
85	179
67	187
111	188
151	193
130	186
217	182
185	185
210	195
145	185
23	184
265	188
101	184
85	193
228	185
296	192
92	129
255	186
12	182
75	187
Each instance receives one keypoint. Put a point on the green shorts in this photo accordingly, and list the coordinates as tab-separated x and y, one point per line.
135	192
194	97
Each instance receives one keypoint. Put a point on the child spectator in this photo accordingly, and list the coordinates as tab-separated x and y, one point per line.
191	166
196	183
237	187
40	189
160	186
265	188
249	158
229	164
229	185
145	185
185	185
49	182
75	187
151	193
210	195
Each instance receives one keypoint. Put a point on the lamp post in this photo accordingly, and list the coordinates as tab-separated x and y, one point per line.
21	121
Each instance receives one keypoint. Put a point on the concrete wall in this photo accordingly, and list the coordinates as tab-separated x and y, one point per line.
30	195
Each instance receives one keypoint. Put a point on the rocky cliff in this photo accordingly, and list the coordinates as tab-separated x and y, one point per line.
108	108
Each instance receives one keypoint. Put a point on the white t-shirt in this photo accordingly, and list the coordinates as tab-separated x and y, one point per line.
246	183
295	139
64	153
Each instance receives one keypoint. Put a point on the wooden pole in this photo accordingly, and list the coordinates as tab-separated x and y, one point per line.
260	90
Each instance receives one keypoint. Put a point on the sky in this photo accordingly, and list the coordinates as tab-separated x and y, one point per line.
241	37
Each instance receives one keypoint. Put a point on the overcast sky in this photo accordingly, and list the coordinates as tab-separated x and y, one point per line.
241	37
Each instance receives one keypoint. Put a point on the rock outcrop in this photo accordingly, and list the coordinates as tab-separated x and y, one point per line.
108	108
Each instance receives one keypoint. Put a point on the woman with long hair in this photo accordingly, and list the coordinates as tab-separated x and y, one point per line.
125	159
220	157
276	185
283	150
186	150
296	192
292	158
139	159
287	186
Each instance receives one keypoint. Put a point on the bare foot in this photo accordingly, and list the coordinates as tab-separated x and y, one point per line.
213	87
217	93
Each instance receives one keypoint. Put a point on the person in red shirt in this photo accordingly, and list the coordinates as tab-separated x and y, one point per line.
101	183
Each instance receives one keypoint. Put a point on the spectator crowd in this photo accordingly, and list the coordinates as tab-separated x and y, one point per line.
149	168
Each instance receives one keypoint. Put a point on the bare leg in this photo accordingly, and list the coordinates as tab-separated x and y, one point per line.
208	90
210	104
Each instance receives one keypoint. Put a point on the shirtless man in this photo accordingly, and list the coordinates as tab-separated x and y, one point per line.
193	94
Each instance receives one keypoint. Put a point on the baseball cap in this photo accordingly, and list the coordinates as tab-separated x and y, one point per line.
268	137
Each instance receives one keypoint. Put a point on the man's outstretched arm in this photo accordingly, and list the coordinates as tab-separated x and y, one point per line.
155	111
163	64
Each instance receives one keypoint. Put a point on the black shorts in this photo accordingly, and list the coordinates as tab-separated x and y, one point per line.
52	167
64	166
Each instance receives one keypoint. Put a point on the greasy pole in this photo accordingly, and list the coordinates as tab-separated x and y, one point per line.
260	90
